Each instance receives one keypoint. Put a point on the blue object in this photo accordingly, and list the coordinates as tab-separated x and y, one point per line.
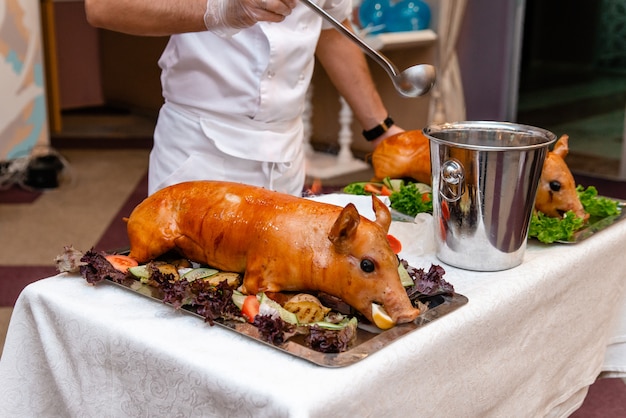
407	15
372	15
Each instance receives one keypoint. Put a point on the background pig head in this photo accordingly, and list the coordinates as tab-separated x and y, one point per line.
556	193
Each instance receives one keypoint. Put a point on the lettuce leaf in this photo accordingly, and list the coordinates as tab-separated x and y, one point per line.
548	230
355	188
595	206
410	201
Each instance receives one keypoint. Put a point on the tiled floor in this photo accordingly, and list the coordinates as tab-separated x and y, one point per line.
94	188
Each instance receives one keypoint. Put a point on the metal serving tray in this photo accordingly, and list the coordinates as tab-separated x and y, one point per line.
596	226
369	338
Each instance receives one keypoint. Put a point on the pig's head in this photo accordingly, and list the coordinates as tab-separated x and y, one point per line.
366	266
556	193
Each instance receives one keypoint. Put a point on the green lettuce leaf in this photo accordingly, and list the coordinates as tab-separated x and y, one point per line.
548	230
355	188
595	206
410	201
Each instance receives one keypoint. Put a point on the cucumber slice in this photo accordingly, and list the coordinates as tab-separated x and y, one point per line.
393	184
140	272
405	278
199	273
238	298
183	270
285	315
332	326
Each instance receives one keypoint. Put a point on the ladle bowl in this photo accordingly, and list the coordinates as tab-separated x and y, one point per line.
415	81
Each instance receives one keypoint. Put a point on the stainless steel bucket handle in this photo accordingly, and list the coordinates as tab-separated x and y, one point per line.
452	184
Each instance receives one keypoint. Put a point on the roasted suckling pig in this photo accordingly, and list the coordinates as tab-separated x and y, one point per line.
280	242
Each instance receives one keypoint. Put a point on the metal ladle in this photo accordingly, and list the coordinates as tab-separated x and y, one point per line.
413	82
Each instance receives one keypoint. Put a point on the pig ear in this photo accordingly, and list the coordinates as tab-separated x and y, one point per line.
561	147
383	216
344	228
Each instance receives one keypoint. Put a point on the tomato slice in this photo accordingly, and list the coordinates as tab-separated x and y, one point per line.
121	262
372	188
250	307
395	243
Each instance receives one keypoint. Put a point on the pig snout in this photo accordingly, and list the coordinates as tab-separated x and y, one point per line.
400	310
389	293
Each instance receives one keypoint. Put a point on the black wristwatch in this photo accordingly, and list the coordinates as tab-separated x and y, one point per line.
378	130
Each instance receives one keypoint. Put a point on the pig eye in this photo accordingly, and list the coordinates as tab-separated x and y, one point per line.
367	265
555	186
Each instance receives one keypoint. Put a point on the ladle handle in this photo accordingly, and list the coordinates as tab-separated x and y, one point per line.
382	61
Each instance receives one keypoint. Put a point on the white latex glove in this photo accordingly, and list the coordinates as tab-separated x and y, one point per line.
226	17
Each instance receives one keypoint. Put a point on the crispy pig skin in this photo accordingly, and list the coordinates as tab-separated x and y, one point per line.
280	242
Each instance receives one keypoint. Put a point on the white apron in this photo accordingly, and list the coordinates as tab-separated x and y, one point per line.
233	105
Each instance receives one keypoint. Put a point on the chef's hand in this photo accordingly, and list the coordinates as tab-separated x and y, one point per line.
225	15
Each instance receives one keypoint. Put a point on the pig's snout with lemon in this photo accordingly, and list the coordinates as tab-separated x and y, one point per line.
280	243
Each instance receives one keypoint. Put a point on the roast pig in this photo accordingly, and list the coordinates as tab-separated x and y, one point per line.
279	242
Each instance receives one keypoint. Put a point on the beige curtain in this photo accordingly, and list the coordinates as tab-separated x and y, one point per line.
448	100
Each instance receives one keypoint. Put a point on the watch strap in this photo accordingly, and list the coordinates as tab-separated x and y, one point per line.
378	130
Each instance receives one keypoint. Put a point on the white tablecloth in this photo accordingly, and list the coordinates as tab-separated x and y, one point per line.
529	343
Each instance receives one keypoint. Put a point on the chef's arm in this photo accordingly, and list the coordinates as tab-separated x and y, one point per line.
167	17
347	68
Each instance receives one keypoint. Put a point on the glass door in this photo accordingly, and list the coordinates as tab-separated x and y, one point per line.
573	79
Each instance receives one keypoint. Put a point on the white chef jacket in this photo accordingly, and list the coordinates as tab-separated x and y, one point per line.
245	92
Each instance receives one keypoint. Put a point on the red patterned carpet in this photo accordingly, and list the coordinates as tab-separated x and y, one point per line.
16	194
606	399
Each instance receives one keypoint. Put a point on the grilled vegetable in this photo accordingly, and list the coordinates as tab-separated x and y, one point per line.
307	308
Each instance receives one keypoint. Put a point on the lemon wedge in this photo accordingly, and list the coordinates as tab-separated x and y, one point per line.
381	318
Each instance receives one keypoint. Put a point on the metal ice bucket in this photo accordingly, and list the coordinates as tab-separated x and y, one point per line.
484	177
